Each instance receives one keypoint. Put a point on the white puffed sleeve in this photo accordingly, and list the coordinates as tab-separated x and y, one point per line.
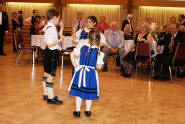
100	58
78	33
78	48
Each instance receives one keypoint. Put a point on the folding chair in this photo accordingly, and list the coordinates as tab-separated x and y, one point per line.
23	48
63	53
143	54
179	57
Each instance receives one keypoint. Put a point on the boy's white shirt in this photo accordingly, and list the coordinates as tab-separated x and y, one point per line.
51	35
77	53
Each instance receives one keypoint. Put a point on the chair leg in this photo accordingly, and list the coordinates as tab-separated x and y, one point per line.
170	72
62	63
18	57
33	57
136	69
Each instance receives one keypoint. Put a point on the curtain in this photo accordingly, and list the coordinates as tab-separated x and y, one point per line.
111	12
27	8
160	15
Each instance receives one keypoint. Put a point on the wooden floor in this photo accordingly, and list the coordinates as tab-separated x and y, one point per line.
133	100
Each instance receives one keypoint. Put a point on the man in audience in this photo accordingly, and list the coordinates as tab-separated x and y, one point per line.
161	53
31	20
170	45
115	41
182	19
127	21
4	26
78	22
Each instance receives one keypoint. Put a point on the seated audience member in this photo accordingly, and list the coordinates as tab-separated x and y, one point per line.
129	54
115	41
161	45
143	36
78	22
102	25
37	26
182	19
182	28
42	21
166	57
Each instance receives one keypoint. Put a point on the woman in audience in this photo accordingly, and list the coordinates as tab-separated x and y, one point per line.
143	36
102	25
37	26
129	54
16	27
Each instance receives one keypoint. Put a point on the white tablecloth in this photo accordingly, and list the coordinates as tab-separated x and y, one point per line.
67	42
38	40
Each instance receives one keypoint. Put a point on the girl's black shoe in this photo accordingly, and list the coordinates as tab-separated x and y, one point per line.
76	114
87	113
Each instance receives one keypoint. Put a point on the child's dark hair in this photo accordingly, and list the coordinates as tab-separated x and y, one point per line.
20	11
93	19
51	13
34	11
94	37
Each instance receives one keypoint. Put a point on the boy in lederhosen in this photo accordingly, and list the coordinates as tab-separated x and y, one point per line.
51	54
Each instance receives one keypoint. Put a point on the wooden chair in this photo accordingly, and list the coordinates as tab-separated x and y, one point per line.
143	54
179	56
24	48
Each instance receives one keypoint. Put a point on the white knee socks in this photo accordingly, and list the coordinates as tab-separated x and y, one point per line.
50	92
44	85
88	105
79	102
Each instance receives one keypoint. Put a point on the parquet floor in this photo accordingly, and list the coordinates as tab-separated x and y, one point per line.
135	100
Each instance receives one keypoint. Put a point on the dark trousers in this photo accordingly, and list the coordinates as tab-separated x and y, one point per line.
1	41
162	63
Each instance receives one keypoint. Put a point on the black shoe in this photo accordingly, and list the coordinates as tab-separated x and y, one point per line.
54	101
87	113
76	114
45	97
126	75
105	68
2	54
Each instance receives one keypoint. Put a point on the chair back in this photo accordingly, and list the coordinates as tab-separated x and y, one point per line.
179	57
143	51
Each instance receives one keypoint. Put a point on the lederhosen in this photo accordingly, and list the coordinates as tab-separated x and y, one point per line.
51	58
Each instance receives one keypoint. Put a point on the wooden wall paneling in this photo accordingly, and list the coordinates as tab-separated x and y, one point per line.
103	2
162	3
30	1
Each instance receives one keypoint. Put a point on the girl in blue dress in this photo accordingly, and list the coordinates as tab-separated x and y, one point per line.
86	59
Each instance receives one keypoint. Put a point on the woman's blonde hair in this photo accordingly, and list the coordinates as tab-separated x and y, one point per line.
146	26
